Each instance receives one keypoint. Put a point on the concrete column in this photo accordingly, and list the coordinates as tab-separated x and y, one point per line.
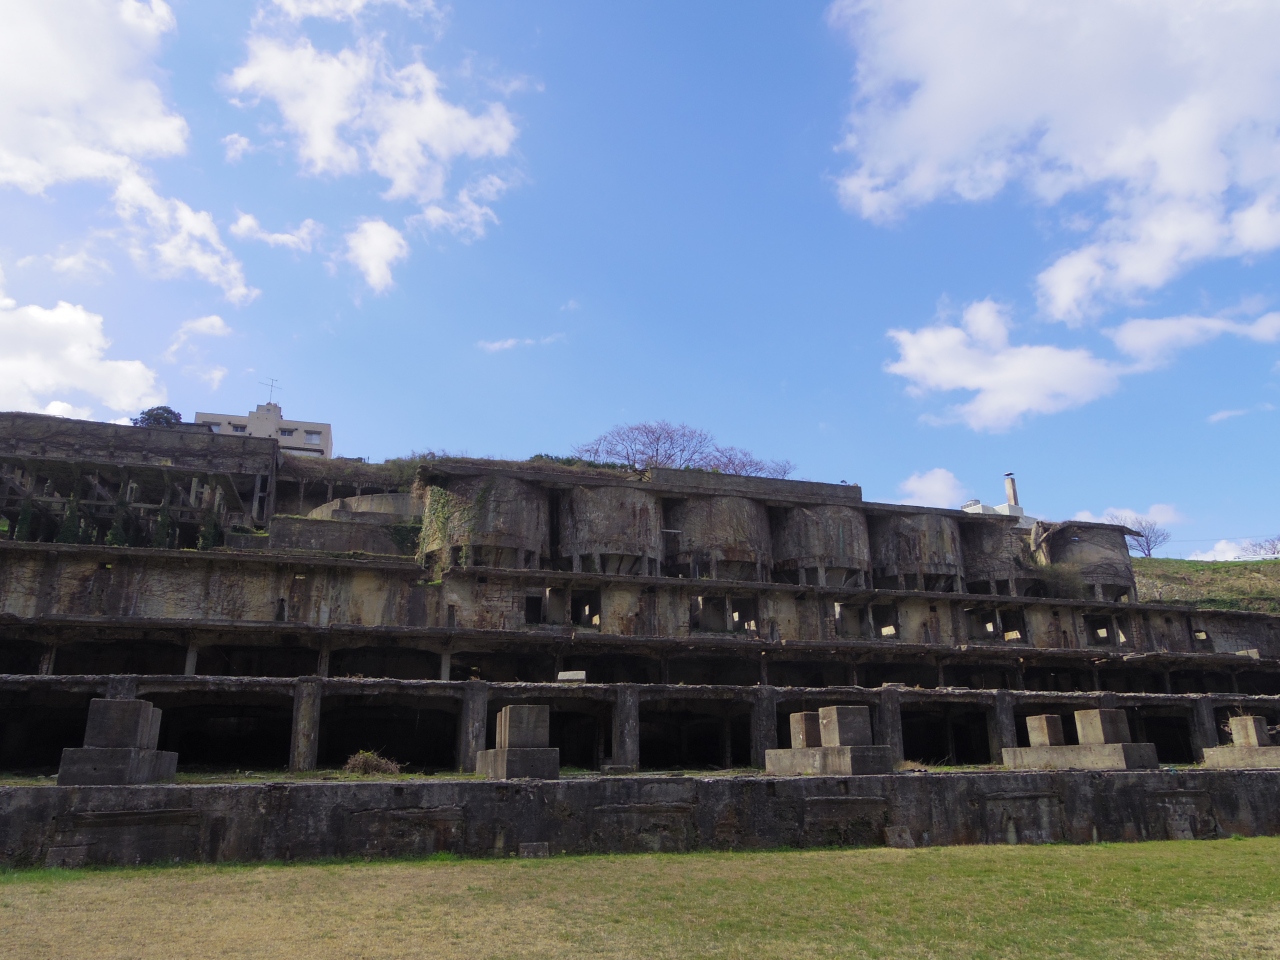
322	660
445	665
764	724
626	726
189	669
46	660
1204	727
726	743
1002	731
122	688
472	723
889	727
305	743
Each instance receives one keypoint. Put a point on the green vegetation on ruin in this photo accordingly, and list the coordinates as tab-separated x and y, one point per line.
1185	899
1217	585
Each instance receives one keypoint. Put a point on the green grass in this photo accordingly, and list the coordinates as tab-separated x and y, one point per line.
1232	585
1152	900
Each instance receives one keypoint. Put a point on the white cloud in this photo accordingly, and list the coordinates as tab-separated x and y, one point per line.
1222	550
1164	117
570	305
1008	381
51	354
354	111
236	146
469	214
248	228
933	488
78	103
373	247
212	376
211	326
1153	343
1164	514
1225	415
497	346
342	9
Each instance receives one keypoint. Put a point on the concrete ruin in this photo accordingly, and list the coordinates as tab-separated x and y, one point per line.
286	612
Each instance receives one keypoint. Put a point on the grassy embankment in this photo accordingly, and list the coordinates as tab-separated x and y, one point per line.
1167	900
1239	585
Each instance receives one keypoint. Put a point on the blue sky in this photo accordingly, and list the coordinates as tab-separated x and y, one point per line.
904	243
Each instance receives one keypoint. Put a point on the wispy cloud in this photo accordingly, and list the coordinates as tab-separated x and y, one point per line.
1229	414
497	346
211	326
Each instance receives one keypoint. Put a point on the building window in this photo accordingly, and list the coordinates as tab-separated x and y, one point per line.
286	433
238	428
312	436
215	427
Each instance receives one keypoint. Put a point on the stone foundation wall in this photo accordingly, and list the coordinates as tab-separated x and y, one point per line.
296	821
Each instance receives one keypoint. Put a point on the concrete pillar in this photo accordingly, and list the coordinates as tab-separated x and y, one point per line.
889	725
122	688
1204	727
726	743
46	660
764	724
189	669
322	660
472	724
1002	731
305	743
626	726
445	665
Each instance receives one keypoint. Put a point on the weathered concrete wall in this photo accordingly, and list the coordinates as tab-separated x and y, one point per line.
494	512
339	536
724	537
297	821
610	520
995	550
1099	551
924	547
371	508
829	538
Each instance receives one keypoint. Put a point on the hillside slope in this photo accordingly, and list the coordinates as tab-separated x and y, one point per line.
1236	585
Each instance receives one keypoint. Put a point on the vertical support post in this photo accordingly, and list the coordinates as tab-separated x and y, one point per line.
726	742
472	724
46	660
322	659
189	668
764	724
445	665
1002	731
1204	727
889	727
305	743
626	727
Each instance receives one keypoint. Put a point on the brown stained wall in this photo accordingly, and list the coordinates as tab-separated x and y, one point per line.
1099	551
499	512
827	536
610	520
622	613
721	530
336	536
915	545
180	585
926	621
1166	632
1234	634
995	550
781	609
1048	632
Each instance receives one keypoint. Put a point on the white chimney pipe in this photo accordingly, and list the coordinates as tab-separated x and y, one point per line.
1011	489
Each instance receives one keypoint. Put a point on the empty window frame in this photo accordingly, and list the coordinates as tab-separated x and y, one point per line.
311	436
1013	625
533	609
1099	631
743	615
585	606
884	621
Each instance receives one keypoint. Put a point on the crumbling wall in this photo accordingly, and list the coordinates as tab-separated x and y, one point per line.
923	549
340	536
726	538
609	521
492	521
831	540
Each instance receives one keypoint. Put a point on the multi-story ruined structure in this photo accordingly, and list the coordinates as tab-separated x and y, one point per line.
335	605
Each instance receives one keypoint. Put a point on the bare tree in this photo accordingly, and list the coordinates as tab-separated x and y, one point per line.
1269	547
676	446
1146	537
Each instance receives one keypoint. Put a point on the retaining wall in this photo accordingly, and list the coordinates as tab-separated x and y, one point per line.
295	821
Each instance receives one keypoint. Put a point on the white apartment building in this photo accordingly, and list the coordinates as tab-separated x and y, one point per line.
296	436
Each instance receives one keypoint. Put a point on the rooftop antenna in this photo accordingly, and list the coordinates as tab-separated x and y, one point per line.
272	386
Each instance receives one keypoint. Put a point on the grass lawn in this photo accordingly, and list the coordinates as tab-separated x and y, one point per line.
1168	900
1243	585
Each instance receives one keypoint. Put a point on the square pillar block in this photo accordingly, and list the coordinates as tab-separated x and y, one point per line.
1102	726
845	726
122	724
523	725
1250	732
1045	730
806	730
